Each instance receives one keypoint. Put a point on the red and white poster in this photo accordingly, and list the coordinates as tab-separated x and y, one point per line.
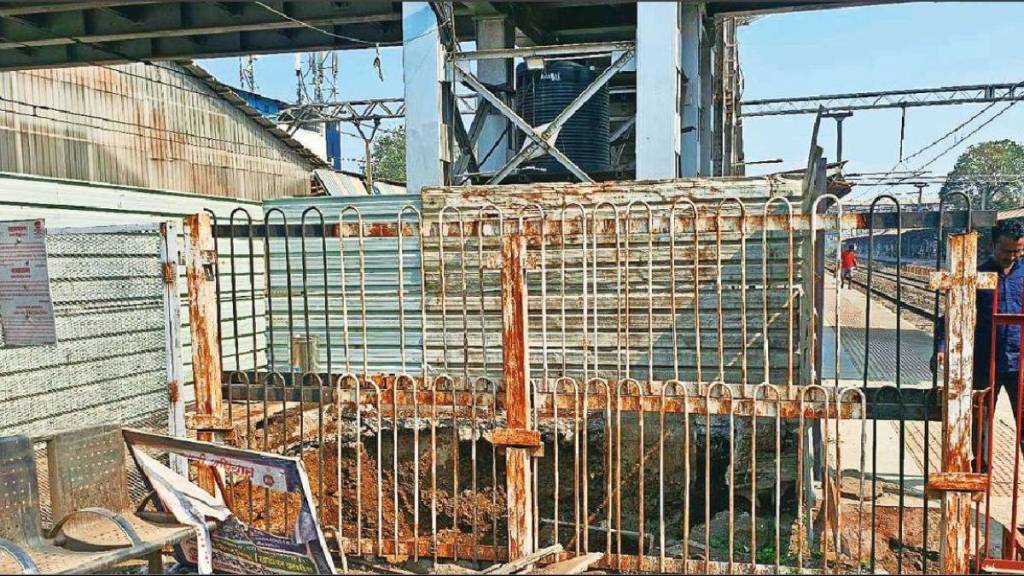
26	308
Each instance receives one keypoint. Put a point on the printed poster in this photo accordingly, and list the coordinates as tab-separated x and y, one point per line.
26	307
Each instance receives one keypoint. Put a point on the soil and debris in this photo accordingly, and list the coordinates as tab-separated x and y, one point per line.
487	504
289	432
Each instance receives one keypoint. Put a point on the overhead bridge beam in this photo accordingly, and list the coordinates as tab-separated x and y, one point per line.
73	33
943	96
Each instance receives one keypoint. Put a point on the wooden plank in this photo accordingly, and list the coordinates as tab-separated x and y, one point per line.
517	564
515	343
200	271
956	430
575	565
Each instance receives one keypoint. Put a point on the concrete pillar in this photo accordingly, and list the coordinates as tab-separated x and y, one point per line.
690	39
495	32
707	100
658	87
422	69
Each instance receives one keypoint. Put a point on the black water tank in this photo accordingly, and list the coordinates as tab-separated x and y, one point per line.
542	94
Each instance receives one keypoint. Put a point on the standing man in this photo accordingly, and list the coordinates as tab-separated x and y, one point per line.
848	261
1004	261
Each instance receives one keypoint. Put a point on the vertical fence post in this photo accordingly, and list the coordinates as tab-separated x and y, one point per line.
959	281
172	336
201	273
519	438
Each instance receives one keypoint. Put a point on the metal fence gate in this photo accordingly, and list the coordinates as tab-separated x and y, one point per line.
641	372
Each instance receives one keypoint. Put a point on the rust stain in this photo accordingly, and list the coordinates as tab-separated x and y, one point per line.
516	437
203	308
519	497
643	564
784	407
957	482
516	350
170	272
425	546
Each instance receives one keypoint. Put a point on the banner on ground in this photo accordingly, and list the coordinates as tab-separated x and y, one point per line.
237	548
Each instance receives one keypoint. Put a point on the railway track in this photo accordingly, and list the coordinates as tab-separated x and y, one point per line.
915	295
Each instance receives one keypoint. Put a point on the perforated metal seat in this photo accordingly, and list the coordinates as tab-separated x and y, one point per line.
89	496
23	550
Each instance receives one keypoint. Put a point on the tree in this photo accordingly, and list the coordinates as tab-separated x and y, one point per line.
991	173
389	156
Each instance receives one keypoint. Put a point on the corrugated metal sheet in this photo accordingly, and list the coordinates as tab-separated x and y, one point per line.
349	184
380	187
340	183
71	203
383	334
1011	214
229	95
739	303
157	126
109	364
483	336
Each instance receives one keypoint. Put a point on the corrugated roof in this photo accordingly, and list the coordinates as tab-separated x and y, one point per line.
1012	213
228	94
343	183
340	183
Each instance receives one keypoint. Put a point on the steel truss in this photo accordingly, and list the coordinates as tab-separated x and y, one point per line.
944	96
542	138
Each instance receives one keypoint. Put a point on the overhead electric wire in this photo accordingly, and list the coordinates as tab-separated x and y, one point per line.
951	132
959	141
187	74
184	73
36	107
891	183
367	43
315	28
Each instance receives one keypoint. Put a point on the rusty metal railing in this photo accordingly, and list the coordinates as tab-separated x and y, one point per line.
684	421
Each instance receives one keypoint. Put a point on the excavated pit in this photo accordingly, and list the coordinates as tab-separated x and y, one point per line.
713	476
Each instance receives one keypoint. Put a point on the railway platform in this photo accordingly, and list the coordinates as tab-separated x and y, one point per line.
913	356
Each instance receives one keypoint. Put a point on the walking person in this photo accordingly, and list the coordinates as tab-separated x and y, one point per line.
1005	261
848	261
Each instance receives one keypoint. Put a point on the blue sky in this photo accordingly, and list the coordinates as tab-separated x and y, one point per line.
880	48
830	51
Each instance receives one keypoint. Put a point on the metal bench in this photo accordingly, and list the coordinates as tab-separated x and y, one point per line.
89	496
23	549
97	529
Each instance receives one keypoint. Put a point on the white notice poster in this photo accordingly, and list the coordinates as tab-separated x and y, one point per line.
26	308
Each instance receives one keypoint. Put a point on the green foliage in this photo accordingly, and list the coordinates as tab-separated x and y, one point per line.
991	173
389	156
766	554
